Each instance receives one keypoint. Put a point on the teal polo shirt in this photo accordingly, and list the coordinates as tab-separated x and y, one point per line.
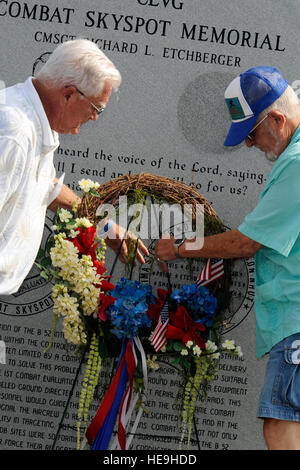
275	223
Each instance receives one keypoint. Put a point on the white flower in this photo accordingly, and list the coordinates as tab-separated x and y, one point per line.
67	307
82	222
184	352
73	233
238	351
229	344
216	355
211	346
65	215
79	290
87	185
196	350
152	364
189	344
78	272
58	289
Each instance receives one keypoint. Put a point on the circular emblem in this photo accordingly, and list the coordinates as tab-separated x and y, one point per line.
34	295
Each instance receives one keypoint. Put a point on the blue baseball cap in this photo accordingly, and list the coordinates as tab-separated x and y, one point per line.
247	96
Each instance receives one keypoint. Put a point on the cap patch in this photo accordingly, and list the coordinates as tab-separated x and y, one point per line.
235	108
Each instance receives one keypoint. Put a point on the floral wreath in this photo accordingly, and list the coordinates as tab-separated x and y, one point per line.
180	327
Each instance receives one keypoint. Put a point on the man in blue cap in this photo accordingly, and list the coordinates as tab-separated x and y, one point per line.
265	113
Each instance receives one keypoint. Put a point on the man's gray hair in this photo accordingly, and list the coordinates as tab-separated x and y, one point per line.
288	104
80	63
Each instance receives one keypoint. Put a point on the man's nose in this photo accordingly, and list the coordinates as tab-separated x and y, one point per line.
249	142
94	116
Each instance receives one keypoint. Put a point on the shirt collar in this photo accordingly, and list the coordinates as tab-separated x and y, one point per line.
296	135
49	137
284	157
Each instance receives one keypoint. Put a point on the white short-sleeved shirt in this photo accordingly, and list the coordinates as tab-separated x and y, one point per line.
27	173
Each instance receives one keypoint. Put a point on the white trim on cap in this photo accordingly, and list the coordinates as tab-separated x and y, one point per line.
234	90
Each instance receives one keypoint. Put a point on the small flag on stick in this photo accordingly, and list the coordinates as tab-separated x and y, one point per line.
158	337
213	270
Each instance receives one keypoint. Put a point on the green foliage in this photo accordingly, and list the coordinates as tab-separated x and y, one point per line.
90	381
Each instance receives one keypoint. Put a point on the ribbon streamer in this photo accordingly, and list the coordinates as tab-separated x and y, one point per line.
131	363
118	399
100	430
125	417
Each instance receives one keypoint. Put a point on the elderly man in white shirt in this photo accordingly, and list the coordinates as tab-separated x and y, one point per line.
73	87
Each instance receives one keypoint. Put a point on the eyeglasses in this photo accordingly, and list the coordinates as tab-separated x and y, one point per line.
98	109
251	135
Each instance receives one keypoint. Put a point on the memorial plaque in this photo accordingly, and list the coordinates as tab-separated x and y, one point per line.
169	118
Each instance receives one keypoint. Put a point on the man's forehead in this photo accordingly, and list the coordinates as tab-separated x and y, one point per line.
105	94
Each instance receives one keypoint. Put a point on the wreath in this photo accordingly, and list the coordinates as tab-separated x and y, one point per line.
124	318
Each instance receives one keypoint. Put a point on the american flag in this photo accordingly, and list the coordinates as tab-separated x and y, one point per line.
158	337
211	272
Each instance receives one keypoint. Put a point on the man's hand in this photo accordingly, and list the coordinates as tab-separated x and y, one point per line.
164	249
230	244
114	239
65	199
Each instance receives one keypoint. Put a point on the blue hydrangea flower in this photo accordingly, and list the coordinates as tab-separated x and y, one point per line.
198	301
128	314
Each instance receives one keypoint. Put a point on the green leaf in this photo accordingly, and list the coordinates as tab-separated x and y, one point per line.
50	243
175	361
44	275
41	254
93	192
177	345
72	222
55	274
103	349
185	363
46	262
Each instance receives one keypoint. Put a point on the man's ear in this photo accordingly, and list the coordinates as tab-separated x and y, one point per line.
278	118
68	92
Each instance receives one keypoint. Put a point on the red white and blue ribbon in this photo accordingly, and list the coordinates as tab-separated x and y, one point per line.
125	436
118	399
213	270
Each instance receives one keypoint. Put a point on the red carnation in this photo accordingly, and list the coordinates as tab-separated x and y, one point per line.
105	301
85	242
183	327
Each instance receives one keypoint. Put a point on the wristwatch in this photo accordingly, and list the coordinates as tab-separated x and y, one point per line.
177	244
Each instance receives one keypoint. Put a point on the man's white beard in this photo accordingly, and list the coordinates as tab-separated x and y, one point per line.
271	156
